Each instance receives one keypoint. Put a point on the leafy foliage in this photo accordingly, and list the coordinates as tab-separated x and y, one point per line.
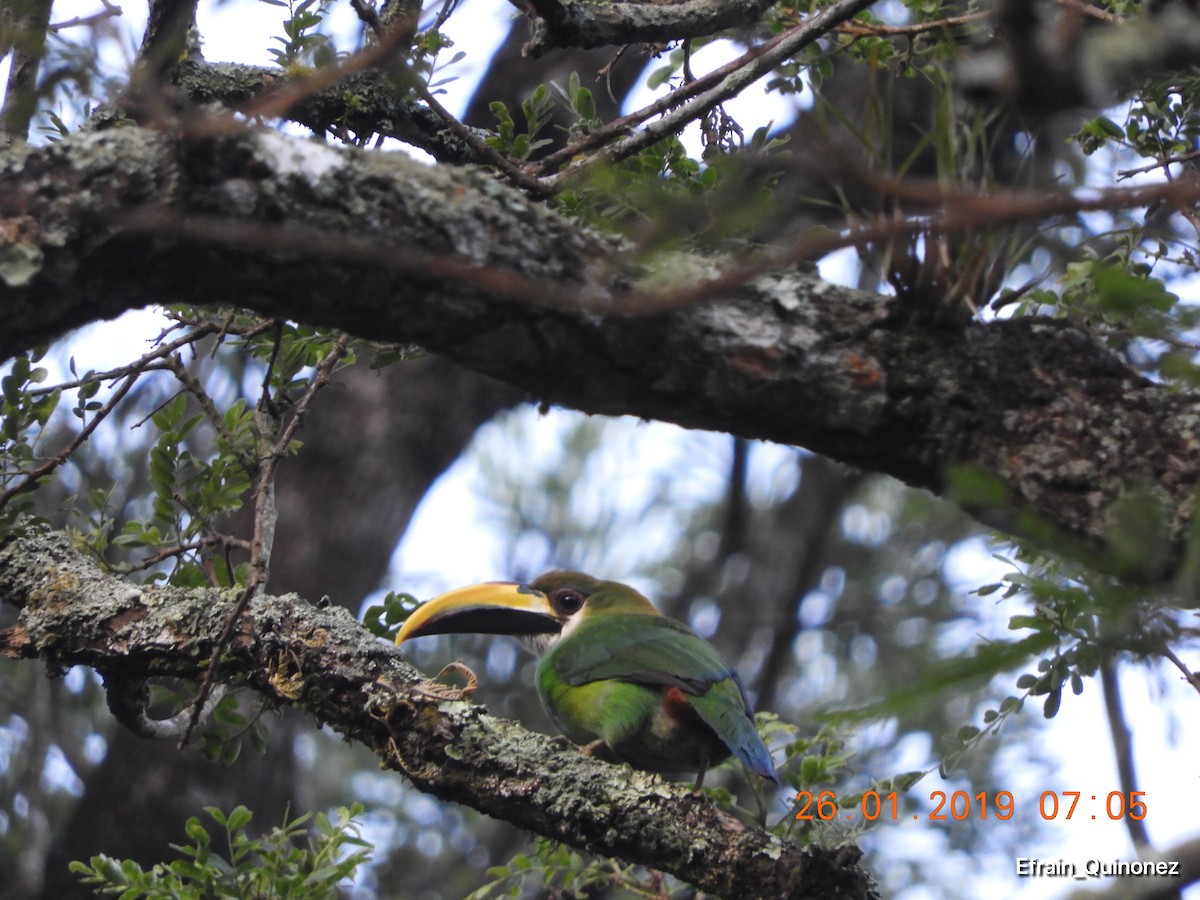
301	44
552	867
274	865
383	619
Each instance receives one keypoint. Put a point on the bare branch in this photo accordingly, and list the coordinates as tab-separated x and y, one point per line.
108	12
1122	740
1188	675
879	29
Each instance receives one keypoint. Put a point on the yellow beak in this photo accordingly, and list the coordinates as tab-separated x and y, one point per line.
495	607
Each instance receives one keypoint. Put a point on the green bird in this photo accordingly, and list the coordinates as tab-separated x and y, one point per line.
616	675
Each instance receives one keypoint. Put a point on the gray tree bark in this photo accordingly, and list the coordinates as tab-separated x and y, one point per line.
1059	427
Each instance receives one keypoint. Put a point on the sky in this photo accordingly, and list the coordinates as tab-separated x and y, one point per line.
438	553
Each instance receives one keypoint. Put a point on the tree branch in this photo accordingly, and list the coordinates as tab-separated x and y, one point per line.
366	103
26	22
1122	739
478	272
735	77
587	23
325	663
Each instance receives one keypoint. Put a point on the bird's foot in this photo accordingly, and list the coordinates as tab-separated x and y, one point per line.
590	749
436	691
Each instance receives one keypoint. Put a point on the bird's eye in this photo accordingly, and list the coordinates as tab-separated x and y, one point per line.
567	601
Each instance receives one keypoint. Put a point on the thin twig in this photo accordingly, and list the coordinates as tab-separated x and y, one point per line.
265	403
625	124
213	540
960	211
153	412
319	380
109	12
879	29
484	153
214	416
111	375
1086	9
443	16
1157	164
1188	675
148	362
264	518
750	67
31	480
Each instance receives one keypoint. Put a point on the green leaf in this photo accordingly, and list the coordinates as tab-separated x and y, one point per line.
196	831
1124	293
1037	623
169	414
659	77
1050	707
239	818
584	103
811	769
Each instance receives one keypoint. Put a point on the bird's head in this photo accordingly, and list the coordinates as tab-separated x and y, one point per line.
543	611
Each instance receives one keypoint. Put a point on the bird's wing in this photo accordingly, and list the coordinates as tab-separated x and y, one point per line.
649	650
656	651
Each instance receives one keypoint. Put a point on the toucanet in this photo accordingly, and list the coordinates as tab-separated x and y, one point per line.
616	675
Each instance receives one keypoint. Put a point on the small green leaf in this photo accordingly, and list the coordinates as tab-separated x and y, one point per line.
1050	707
239	818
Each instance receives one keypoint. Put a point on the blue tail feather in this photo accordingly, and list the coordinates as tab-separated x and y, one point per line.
724	710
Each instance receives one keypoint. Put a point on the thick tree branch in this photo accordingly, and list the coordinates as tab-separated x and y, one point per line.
394	250
364	103
587	23
325	663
